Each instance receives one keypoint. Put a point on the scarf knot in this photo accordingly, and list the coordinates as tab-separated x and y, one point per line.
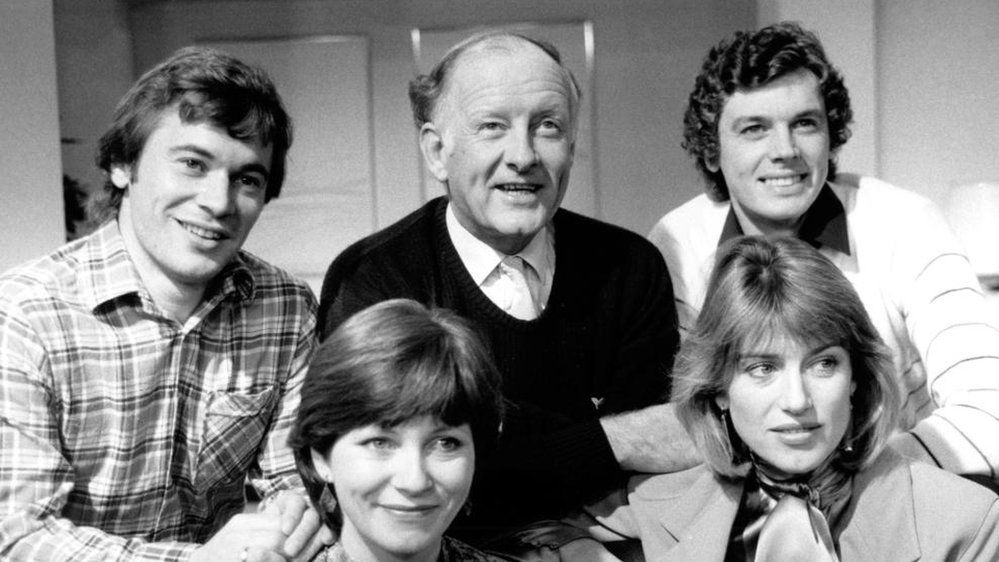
798	513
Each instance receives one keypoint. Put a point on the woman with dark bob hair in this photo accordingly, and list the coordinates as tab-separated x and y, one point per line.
786	389
397	404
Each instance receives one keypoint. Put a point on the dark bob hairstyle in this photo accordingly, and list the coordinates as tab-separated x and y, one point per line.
389	363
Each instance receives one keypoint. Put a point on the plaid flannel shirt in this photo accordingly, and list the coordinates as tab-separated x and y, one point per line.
125	435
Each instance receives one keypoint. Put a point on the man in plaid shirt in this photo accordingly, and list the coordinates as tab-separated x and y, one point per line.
148	369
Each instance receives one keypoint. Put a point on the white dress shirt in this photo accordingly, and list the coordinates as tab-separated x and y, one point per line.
483	264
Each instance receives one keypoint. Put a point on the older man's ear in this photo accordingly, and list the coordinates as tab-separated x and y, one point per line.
432	147
121	176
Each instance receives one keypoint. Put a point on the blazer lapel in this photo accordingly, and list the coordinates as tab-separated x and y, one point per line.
701	518
881	522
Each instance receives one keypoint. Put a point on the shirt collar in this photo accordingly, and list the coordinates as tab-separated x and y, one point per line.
481	259
108	272
235	280
824	224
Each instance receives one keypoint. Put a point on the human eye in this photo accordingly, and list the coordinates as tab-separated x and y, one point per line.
811	123
752	130
192	165
448	443
549	126
251	181
378	443
826	365
759	369
450	440
490	126
807	123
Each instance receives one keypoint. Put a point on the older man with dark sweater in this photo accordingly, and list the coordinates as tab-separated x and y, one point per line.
578	313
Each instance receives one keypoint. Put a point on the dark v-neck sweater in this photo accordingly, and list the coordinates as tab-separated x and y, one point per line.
604	344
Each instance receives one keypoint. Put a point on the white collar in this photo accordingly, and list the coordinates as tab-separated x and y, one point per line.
481	259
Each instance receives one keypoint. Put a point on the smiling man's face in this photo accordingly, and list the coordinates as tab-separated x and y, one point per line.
502	141
190	202
774	152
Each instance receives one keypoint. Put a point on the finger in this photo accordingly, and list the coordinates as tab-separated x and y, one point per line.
261	529
320	540
258	530
308	525
292	506
259	554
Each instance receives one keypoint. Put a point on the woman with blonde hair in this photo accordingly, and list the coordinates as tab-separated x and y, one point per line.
788	392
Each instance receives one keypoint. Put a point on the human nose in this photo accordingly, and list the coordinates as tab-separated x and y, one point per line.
783	145
410	475
520	153
215	194
795	397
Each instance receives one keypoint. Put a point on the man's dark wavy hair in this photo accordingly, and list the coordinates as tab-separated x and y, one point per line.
205	86
749	60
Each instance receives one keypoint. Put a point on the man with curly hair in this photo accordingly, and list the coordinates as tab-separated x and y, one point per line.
764	123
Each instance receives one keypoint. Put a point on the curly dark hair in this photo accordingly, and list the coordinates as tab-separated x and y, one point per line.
749	60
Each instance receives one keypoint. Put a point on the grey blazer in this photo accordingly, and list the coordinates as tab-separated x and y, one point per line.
901	511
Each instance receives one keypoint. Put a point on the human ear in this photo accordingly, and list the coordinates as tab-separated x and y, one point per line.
121	175
721	401
323	468
432	147
712	165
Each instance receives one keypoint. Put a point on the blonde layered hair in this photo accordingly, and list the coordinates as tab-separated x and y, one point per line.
761	289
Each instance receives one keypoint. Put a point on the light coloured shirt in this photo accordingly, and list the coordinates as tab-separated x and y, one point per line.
918	288
482	263
125	435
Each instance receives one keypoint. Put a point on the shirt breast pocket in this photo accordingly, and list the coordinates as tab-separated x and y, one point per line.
234	430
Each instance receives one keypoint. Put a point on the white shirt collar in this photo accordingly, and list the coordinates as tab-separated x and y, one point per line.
481	259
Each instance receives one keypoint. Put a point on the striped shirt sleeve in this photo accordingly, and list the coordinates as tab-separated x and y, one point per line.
958	344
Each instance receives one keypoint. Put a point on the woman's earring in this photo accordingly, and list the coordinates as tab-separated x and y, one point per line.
847	445
740	453
327	499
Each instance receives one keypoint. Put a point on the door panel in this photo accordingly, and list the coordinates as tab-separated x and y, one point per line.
328	199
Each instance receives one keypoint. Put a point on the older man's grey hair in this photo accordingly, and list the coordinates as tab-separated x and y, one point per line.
427	90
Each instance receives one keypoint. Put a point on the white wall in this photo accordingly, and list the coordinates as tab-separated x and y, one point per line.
938	84
31	221
933	74
647	54
94	69
923	77
847	31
